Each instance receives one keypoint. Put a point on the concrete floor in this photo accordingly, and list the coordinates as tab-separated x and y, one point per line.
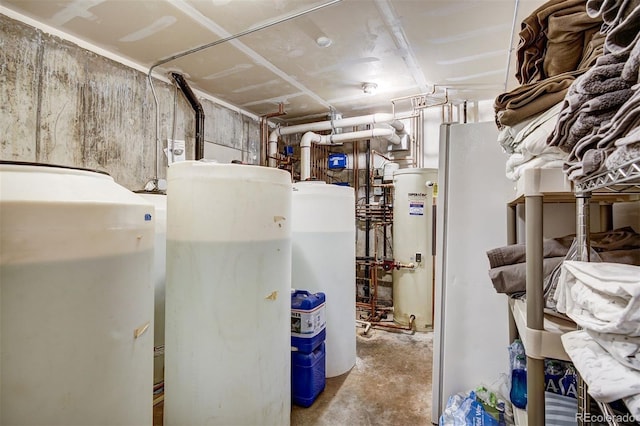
389	385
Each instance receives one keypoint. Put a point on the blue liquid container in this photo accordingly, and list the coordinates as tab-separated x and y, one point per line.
308	372
518	394
308	323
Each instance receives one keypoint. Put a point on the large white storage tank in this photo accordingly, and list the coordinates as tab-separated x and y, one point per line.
76	251
324	261
159	201
412	245
228	304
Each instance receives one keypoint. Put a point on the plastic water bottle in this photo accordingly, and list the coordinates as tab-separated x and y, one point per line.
518	393
569	382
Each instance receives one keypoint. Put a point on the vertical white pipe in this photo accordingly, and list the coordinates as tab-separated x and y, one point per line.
305	154
328	125
309	137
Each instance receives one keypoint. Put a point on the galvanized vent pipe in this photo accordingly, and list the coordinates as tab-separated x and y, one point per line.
197	107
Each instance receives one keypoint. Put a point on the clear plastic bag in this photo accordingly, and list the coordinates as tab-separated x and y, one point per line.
471	409
550	282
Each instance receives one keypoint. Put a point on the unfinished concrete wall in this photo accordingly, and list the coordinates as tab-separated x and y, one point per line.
62	104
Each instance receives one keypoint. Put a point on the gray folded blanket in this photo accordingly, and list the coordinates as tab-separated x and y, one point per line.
620	22
511	279
590	102
626	118
612	11
624	238
593	162
590	153
625	153
593	103
516	253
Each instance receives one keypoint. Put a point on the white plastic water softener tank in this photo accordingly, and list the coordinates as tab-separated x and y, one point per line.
76	251
228	295
159	202
324	261
412	245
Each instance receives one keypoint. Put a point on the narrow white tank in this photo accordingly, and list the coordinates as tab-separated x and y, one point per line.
412	245
159	202
76	251
324	260
228	304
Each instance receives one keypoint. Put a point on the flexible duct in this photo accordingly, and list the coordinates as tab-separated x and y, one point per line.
397	125
309	137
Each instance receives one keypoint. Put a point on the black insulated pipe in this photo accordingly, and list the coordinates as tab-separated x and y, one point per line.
197	107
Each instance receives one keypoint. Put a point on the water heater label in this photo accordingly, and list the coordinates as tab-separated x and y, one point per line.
307	324
416	208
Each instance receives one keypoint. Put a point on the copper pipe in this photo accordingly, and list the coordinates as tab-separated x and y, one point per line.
385	324
264	132
381	155
367	306
374	289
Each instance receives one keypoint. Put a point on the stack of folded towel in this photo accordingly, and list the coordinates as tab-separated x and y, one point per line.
558	42
601	111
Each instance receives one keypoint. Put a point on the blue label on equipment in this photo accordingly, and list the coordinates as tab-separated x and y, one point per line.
337	161
147	217
416	208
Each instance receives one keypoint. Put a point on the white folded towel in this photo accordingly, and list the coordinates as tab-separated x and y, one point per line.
624	349
601	296
608	380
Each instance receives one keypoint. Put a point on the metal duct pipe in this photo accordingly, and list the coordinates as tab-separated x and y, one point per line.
197	107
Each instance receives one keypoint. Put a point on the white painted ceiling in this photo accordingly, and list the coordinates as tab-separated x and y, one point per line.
404	46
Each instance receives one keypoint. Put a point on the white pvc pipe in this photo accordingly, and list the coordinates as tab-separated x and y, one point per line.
388	134
328	125
305	154
309	137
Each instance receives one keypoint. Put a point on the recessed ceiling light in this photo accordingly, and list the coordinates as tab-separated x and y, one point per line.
323	41
369	88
